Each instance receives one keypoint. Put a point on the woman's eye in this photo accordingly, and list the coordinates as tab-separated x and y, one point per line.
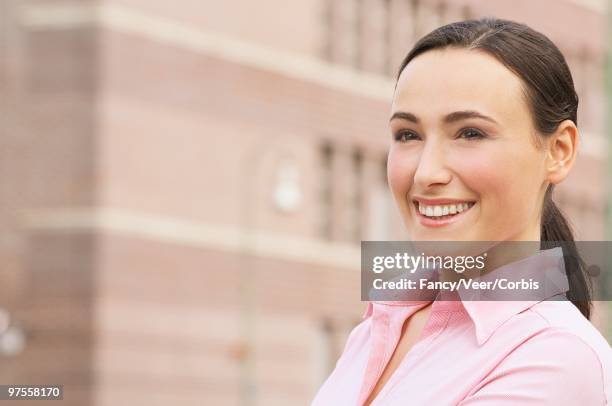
405	136
471	134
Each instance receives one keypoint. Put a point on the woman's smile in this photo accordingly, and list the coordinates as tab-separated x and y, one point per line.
441	212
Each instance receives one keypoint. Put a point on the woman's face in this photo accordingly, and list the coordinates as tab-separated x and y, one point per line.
462	141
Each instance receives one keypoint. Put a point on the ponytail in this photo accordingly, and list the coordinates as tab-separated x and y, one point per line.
556	232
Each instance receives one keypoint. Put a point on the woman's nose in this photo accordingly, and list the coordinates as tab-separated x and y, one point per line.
432	167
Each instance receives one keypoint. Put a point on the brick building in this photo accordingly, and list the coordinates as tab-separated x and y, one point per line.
184	185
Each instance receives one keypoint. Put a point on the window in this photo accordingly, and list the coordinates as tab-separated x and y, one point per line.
375	35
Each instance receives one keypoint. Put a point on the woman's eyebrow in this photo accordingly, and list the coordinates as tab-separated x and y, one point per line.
449	118
402	115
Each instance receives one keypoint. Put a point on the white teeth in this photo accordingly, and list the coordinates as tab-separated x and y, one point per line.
442	210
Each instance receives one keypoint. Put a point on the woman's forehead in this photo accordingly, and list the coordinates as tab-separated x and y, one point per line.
456	78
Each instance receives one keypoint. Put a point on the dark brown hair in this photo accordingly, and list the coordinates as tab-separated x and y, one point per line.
549	92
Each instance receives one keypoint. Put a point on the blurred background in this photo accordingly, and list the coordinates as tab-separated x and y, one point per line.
184	185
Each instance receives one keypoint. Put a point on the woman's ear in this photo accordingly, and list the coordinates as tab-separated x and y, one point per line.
562	149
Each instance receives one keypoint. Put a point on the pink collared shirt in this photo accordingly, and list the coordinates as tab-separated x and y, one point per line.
476	353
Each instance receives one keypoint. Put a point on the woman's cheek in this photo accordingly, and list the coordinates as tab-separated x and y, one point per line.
400	172
479	171
491	177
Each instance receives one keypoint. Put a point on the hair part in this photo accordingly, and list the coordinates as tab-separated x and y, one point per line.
548	89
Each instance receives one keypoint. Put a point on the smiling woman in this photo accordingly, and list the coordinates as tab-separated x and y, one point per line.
463	127
483	125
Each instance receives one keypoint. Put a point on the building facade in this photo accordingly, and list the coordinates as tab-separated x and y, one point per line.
185	184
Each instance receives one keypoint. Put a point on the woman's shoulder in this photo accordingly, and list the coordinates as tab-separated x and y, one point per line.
553	366
570	347
563	317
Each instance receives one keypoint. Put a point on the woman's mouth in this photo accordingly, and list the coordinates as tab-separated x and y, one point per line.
437	215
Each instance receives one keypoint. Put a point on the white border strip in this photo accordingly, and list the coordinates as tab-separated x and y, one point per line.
592	145
232	239
192	37
598	6
58	16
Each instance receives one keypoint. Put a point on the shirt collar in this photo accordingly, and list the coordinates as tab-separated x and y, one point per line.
488	315
545	267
